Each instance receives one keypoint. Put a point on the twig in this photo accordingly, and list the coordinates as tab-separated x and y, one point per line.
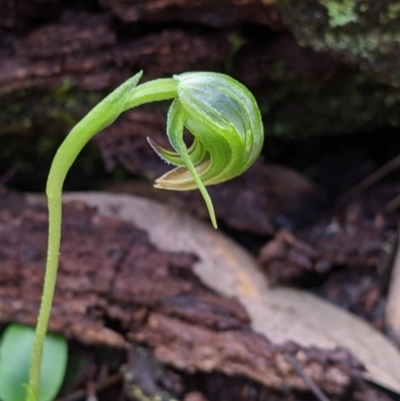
392	205
307	379
91	391
370	180
81	393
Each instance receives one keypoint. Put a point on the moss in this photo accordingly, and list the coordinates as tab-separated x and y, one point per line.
23	109
392	13
34	123
351	102
365	32
340	12
236	42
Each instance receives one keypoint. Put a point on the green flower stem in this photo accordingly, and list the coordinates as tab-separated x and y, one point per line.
97	119
152	91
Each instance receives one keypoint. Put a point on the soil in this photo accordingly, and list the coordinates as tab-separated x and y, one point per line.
145	323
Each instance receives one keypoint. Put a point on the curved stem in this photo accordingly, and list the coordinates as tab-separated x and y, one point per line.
152	91
123	98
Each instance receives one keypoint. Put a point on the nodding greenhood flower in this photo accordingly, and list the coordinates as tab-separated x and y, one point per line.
220	113
228	136
224	119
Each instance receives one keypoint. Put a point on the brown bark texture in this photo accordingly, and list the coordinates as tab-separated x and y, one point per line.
114	287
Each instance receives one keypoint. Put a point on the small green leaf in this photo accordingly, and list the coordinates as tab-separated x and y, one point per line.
15	360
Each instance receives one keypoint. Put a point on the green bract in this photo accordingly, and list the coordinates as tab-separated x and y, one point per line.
226	125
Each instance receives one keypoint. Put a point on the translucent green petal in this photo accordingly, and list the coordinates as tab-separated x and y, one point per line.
196	153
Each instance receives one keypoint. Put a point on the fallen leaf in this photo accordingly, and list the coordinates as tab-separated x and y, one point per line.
392	311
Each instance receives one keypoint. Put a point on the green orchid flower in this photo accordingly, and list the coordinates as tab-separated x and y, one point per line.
225	121
220	113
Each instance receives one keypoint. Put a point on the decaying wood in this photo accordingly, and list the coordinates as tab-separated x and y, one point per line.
208	12
17	15
243	353
360	236
83	48
114	285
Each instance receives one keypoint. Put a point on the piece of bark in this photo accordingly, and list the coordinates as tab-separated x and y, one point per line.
261	200
18	16
114	285
286	258
357	237
83	48
242	353
146	377
207	12
105	266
